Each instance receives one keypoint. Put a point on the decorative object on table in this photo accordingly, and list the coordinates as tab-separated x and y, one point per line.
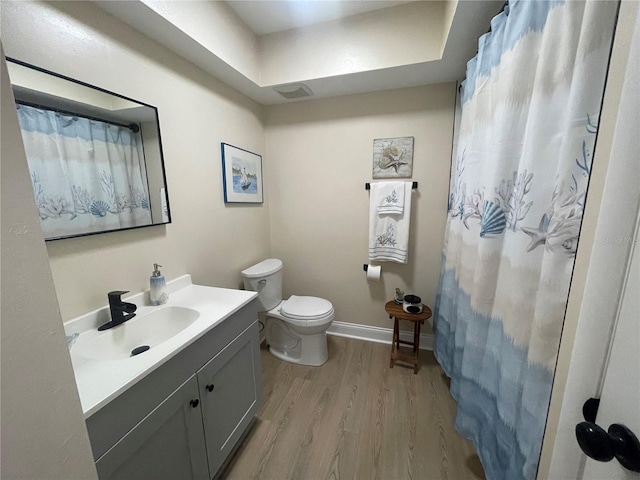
399	296
388	233
241	175
393	157
412	304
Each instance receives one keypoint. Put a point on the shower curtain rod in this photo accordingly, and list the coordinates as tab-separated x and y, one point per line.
132	126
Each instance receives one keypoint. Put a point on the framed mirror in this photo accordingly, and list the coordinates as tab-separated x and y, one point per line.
95	157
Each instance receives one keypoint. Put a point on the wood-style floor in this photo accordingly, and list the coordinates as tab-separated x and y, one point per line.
355	418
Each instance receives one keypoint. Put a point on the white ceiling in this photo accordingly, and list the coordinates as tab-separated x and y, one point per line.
264	17
471	20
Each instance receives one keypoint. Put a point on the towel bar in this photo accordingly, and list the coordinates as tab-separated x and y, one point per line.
367	186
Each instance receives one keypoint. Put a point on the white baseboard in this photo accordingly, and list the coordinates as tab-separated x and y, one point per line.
377	334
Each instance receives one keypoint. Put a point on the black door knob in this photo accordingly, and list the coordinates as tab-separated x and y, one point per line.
210	387
194	403
626	447
618	442
594	441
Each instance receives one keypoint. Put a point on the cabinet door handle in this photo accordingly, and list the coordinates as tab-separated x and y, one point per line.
194	403
210	387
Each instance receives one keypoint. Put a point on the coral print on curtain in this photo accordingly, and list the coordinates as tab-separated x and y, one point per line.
530	106
88	175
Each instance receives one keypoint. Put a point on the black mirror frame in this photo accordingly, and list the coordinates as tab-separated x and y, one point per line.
162	165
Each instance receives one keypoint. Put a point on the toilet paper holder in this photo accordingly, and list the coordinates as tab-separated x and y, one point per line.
372	272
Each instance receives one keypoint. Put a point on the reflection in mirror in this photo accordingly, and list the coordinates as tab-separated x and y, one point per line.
95	157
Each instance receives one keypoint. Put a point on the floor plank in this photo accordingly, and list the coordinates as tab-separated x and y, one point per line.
354	418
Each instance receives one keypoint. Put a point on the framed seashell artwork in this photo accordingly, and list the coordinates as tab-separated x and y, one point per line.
393	157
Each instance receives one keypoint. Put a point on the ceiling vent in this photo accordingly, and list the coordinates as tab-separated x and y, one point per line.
293	90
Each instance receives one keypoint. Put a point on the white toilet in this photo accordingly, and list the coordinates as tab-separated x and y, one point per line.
295	328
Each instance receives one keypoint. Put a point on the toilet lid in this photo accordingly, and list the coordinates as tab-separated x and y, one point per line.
306	307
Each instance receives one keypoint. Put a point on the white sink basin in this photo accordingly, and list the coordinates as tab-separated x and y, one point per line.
150	329
102	363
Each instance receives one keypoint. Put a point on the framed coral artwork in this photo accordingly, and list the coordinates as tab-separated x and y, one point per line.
241	175
393	157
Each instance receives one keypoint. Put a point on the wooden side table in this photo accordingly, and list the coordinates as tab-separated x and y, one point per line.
396	312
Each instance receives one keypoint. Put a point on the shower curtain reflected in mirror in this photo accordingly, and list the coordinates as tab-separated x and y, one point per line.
521	163
87	175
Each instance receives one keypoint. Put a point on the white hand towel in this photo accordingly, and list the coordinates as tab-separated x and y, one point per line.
389	196
389	234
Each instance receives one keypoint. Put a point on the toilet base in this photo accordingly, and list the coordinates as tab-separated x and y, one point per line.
315	362
292	346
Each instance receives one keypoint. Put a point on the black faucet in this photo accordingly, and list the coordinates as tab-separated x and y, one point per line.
118	310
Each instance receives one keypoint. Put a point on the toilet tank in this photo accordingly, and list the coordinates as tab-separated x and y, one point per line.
266	279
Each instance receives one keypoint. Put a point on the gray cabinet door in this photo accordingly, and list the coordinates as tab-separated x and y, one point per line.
229	389
167	444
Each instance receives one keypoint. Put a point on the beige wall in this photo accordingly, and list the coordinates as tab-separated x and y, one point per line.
320	156
207	238
449	8
43	433
230	39
374	40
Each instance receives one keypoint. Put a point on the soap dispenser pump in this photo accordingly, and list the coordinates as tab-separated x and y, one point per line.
158	287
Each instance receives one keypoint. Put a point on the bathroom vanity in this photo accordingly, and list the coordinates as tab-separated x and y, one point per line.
179	409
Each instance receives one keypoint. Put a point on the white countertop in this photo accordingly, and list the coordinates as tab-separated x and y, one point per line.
100	381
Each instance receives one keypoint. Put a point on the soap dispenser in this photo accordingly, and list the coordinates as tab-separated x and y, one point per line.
158	287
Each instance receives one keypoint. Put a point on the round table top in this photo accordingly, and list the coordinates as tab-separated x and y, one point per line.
395	310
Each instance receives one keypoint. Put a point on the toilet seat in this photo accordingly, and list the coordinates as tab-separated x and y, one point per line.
303	311
306	308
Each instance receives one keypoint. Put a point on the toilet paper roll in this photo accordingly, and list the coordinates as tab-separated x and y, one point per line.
373	273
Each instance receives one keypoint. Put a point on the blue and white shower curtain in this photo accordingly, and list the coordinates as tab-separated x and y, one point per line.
530	107
88	175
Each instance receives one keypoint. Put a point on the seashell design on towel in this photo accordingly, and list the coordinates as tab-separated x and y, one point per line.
494	221
388	237
100	208
392	198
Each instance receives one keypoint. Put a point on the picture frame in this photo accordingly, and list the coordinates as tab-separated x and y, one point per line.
241	175
393	157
